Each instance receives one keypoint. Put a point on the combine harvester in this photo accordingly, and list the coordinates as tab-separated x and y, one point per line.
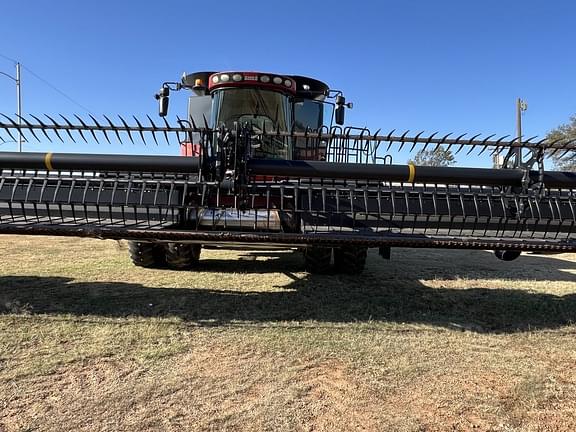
261	165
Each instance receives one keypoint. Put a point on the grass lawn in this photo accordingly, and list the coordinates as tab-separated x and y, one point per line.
430	341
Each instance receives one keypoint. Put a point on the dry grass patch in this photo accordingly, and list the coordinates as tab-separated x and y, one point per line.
431	341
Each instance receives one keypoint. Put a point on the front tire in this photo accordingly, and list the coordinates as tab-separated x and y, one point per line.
145	254
507	255
182	256
317	259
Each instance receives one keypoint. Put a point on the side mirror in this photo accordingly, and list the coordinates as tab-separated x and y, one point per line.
339	115
341	105
162	97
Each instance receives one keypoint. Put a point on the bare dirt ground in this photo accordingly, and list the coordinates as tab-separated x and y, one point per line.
430	341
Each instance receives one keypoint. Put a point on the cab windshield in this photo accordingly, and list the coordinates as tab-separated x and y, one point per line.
263	110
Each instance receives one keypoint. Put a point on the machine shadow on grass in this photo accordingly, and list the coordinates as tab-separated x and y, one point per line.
386	292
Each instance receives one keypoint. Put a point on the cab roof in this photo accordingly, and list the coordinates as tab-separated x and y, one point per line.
304	87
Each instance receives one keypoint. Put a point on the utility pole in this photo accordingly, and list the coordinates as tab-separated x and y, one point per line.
19	105
18	81
521	106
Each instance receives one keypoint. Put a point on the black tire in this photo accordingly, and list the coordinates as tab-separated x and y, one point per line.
507	255
144	254
317	259
182	256
350	259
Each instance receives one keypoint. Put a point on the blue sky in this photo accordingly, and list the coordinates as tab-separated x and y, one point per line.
448	66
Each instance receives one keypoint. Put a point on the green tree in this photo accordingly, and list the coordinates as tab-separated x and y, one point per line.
440	157
565	132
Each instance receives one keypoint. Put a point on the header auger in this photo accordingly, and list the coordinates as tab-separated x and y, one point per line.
263	165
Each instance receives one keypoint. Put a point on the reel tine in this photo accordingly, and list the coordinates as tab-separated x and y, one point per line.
42	126
140	129
389	139
68	130
6	127
84	125
29	126
485	140
470	142
166	133
562	149
415	141
498	149
497	144
153	131
555	142
429	139
100	128
552	146
554	150
55	128
572	149
569	147
402	142
444	138
180	123
456	141
114	129
566	152
127	128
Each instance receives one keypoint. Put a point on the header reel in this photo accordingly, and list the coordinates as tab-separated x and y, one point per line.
349	195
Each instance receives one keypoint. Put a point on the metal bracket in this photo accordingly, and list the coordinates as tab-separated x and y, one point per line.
530	186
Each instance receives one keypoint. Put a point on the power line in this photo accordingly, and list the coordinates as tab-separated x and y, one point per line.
52	86
56	89
8	58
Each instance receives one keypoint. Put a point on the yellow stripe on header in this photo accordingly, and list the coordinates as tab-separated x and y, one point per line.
412	173
48	161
